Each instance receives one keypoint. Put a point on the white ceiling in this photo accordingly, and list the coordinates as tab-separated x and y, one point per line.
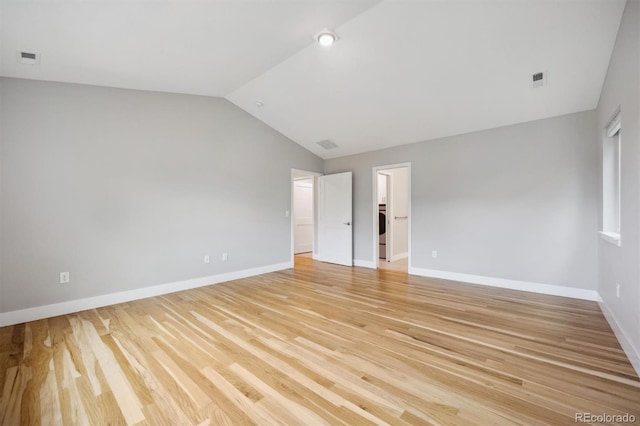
408	71
202	47
403	70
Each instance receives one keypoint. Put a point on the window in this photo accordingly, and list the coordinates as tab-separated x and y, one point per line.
611	181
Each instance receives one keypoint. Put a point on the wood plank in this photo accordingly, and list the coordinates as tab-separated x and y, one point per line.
320	344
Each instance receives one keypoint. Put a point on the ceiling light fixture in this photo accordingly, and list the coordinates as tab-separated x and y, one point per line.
326	38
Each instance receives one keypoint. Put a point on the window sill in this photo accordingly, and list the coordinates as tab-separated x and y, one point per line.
612	237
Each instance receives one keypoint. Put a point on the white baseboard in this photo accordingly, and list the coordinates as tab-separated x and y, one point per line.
399	256
62	308
364	263
555	290
632	353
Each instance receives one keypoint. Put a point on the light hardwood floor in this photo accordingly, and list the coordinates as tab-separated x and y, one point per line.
401	265
321	344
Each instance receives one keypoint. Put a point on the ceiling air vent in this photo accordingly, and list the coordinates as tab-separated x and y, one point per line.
537	79
327	144
28	58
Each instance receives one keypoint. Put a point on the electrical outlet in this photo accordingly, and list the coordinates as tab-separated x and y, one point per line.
434	254
225	256
64	277
207	259
618	291
286	213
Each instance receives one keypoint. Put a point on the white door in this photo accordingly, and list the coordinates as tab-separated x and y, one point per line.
389	234
303	216
335	236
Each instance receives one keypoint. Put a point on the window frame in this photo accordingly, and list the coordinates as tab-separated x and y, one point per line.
612	180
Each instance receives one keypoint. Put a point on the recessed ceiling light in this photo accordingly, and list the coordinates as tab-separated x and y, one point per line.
326	38
259	104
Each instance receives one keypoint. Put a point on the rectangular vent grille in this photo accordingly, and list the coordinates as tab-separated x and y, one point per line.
327	144
537	79
28	58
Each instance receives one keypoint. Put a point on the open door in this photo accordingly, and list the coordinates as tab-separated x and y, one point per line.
335	230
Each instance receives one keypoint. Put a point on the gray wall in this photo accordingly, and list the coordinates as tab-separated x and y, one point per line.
622	264
126	189
517	202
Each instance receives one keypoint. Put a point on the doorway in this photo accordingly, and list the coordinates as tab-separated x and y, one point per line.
303	214
392	218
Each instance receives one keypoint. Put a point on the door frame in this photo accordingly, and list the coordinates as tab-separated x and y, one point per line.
388	212
374	177
313	175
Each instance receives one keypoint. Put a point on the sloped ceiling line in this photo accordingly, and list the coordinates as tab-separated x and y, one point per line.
403	71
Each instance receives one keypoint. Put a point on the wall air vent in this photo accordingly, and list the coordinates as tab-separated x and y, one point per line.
28	58
327	144
538	80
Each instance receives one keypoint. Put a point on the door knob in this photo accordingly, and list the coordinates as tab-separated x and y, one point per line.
348	223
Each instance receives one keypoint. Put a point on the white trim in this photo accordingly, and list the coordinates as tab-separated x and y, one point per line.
374	171
612	237
71	306
399	256
364	263
612	141
388	214
632	353
555	290
615	124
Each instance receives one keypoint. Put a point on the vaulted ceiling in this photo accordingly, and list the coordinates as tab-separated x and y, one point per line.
402	71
